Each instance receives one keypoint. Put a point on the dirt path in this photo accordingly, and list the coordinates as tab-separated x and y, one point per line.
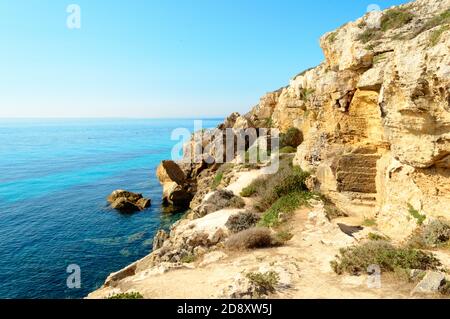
304	265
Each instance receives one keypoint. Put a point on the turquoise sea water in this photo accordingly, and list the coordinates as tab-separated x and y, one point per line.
55	176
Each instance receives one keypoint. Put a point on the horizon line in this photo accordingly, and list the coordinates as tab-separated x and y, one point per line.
113	118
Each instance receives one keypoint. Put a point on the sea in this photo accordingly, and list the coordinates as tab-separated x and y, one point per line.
56	228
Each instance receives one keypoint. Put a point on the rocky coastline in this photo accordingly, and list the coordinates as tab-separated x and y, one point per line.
364	150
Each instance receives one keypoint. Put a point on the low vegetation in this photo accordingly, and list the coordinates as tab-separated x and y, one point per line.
435	36
306	94
264	283
293	138
188	259
395	18
369	222
356	260
282	192
286	205
433	235
217	180
288	150
332	37
439	20
284	236
369	35
415	214
377	237
256	237
128	295
392	19
242	221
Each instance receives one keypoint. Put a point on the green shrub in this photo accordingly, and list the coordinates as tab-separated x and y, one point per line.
293	137
286	205
264	282
379	58
284	236
128	295
217	180
369	222
305	94
268	122
369	35
436	34
439	20
257	237
377	237
294	182
395	18
415	213
248	191
264	186
434	234
288	150
188	259
242	221
355	260
332	37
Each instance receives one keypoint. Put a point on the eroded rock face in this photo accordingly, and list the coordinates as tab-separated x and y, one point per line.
375	116
177	188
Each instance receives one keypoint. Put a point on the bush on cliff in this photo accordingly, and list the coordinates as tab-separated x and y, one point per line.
127	295
242	221
357	259
257	237
264	283
270	188
395	18
288	150
284	205
293	138
434	234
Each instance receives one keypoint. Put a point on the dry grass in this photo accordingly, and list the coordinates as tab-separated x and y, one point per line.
257	237
242	221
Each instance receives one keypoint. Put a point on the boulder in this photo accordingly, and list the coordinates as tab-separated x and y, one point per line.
216	201
430	284
128	202
170	171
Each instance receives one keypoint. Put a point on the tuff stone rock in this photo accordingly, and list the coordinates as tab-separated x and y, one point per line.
430	283
128	202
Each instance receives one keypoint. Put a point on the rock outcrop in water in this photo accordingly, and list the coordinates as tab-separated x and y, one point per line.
128	202
374	122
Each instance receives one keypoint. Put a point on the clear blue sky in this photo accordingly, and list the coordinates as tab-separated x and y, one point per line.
158	58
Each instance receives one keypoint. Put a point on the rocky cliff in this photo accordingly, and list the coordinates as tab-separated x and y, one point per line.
375	115
374	126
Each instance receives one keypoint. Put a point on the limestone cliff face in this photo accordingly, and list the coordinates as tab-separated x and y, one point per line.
375	115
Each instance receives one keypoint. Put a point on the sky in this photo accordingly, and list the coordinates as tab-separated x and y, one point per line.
158	58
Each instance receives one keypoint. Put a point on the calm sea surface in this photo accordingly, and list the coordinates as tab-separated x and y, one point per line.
54	178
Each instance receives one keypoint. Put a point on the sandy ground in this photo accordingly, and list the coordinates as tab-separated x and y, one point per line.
306	259
304	263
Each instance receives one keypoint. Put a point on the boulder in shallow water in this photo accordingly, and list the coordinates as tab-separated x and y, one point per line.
128	202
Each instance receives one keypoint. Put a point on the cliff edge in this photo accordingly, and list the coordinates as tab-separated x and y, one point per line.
370	168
